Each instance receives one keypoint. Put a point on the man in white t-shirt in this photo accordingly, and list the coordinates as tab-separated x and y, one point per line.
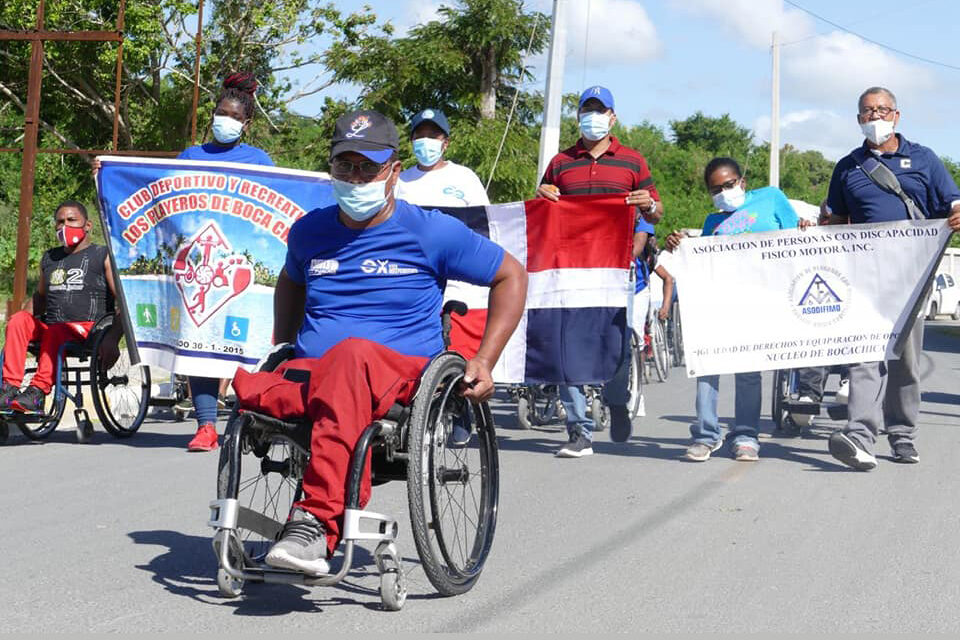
434	181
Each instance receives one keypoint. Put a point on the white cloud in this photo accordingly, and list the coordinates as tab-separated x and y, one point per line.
836	67
753	21
832	134
615	32
417	12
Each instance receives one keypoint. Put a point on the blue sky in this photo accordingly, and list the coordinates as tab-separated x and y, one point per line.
666	59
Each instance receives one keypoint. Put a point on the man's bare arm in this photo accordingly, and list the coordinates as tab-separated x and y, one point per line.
289	299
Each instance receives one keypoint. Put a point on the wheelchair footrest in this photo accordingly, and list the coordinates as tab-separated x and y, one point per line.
367	525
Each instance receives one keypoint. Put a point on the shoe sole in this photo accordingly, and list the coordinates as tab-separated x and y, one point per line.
713	449
846	451
19	408
906	459
746	457
566	453
199	449
280	559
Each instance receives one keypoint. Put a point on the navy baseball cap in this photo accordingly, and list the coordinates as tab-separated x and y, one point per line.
430	115
367	132
600	93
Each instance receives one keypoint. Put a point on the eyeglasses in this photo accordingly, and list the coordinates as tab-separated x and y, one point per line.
883	112
367	168
729	184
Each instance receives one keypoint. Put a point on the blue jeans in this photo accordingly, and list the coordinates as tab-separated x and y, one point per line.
204	392
746	410
575	403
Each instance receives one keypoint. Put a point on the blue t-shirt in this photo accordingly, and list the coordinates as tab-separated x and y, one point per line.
763	209
384	283
238	153
921	174
640	266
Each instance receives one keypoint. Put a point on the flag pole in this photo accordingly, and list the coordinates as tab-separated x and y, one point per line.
550	130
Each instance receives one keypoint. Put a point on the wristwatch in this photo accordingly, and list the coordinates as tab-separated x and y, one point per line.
653	208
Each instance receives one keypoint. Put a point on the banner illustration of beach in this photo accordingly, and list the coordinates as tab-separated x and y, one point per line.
198	247
787	299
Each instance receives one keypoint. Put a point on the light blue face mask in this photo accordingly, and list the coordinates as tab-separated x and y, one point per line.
226	129
360	201
428	151
594	126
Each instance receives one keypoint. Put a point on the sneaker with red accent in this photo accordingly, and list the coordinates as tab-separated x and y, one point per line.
205	439
30	400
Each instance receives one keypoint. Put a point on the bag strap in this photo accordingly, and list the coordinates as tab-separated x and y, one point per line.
883	177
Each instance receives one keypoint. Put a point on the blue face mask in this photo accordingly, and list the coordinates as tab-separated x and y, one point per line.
594	126
360	201
428	151
226	129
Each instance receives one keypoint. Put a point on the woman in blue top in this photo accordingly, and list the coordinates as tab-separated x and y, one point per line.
740	211
231	119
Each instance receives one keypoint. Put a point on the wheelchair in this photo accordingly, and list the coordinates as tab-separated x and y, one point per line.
452	491
656	351
121	393
675	334
540	404
785	402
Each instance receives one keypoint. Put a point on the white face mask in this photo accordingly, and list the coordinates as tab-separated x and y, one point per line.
594	126
877	131
730	199
226	129
360	201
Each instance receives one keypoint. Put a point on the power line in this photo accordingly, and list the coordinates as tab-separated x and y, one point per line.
871	41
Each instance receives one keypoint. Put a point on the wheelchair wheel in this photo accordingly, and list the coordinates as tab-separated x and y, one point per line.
525	411
661	352
635	379
452	490
262	472
781	390
676	344
600	413
121	395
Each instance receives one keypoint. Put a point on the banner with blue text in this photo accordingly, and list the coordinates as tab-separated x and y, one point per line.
198	247
794	298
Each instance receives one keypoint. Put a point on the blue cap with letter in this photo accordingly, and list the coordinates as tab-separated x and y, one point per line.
599	93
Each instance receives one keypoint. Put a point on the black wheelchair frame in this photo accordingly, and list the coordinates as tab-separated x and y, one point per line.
104	384
785	403
409	443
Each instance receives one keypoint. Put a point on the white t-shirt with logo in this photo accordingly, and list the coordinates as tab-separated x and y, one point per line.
453	185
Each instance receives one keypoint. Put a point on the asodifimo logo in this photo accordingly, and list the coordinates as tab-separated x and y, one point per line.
820	295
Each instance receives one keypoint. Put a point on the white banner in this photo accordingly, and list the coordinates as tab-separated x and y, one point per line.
787	299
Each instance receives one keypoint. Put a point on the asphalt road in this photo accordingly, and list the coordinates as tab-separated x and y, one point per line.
111	536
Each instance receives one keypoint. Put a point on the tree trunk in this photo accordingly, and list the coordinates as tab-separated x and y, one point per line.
488	85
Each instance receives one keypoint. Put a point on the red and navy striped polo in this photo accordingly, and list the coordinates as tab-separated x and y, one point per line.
618	170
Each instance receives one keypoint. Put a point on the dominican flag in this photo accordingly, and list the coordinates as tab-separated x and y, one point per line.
577	253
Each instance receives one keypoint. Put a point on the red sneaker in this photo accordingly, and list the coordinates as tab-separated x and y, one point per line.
205	440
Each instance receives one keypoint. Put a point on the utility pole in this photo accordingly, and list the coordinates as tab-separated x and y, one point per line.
553	100
775	114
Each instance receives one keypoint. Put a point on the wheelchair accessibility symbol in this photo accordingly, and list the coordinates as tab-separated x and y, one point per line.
235	328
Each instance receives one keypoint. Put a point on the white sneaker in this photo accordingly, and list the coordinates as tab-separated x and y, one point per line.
803	419
843	393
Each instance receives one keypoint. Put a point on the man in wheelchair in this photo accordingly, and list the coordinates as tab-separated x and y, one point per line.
360	297
75	290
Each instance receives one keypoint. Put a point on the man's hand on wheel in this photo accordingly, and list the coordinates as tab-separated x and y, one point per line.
477	384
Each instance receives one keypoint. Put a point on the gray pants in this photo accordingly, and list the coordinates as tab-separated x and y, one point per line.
887	395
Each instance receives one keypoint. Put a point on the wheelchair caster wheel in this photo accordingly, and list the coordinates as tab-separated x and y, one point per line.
228	586
524	413
84	431
393	590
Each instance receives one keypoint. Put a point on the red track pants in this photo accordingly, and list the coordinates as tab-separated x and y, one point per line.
353	384
23	329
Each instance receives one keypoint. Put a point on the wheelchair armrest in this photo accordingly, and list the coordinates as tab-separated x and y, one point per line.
104	323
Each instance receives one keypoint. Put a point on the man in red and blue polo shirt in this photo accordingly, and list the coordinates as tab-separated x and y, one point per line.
598	163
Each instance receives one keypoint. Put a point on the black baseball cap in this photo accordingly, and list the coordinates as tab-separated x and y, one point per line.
366	132
430	115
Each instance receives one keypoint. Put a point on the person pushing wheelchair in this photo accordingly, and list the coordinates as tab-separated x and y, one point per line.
360	297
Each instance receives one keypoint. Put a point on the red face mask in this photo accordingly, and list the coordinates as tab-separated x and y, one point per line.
71	236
